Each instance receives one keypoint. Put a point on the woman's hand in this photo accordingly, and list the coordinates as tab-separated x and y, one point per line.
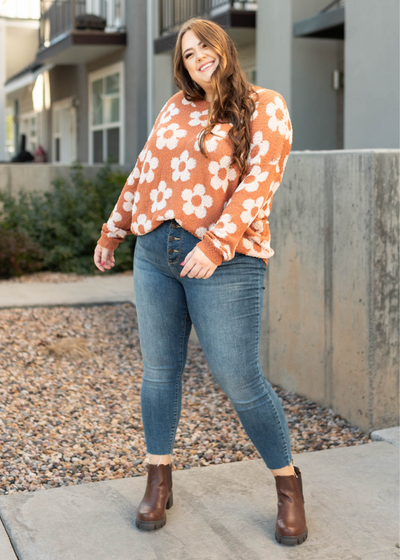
197	265
103	258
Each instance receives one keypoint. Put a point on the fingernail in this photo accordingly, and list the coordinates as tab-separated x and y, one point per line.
182	262
102	262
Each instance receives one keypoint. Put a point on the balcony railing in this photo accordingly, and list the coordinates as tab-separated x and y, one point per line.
58	17
174	13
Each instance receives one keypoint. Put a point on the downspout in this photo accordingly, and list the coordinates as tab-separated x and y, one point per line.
150	67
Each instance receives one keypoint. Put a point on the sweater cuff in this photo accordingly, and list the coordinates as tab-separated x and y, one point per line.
208	248
110	243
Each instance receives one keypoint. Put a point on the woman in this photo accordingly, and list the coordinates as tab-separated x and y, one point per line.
198	200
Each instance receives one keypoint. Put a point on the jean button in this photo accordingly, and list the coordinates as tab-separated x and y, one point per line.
170	251
171	238
173	226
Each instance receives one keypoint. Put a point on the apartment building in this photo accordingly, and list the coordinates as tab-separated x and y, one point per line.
101	70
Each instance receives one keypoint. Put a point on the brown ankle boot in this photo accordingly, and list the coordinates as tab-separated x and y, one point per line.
291	528
157	498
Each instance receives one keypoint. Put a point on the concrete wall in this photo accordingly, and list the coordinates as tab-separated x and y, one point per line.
331	315
372	81
38	176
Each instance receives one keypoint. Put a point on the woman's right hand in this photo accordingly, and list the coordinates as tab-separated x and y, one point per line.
103	258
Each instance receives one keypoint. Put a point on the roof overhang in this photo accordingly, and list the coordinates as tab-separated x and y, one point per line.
81	47
229	19
25	77
327	25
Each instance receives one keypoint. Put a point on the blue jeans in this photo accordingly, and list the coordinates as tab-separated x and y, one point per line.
226	311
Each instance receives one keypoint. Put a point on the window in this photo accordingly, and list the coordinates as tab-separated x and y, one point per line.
106	115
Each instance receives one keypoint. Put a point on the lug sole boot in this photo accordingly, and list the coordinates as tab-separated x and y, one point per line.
291	528
157	498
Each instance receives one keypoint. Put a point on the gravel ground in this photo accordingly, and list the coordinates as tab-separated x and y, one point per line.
56	277
70	382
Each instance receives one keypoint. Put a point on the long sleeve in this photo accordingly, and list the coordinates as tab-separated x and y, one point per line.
271	141
118	225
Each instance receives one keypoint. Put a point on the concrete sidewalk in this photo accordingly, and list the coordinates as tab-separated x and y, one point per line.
220	511
99	289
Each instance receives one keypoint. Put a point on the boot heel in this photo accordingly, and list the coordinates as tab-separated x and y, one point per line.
170	501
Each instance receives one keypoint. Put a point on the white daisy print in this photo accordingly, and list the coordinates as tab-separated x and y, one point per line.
225	249
225	226
257	248
202	230
257	225
255	113
182	166
134	175
142	225
279	117
127	205
273	187
251	182
252	208
198	118
142	154
115	231
284	163
186	102
170	112
212	139
150	163
169	136
160	202
258	148
135	201
169	215
197	201
222	173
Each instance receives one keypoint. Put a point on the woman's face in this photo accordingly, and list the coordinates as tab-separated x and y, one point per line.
199	59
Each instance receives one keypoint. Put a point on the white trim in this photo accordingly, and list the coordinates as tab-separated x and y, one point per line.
92	77
66	103
28	116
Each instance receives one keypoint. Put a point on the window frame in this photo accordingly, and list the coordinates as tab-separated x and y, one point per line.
66	103
22	117
101	74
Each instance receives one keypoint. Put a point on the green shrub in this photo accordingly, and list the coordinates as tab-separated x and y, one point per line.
58	230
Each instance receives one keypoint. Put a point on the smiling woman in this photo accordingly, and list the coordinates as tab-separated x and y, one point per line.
202	191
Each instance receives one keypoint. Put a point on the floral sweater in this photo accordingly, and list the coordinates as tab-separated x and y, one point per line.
173	180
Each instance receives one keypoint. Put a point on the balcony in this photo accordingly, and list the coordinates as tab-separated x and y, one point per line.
329	23
227	13
80	31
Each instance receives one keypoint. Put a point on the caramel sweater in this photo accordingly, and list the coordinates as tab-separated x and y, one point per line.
173	180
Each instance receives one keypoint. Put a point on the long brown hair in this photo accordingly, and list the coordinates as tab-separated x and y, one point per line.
232	102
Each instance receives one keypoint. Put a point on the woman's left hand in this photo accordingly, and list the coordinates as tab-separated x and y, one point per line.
197	265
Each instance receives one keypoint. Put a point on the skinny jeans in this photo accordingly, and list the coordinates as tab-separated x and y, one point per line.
226	311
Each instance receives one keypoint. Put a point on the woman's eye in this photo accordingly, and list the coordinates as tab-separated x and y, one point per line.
187	56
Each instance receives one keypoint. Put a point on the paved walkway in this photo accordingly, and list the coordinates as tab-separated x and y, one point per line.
220	511
99	289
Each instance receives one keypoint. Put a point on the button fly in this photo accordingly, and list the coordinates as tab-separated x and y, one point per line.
171	251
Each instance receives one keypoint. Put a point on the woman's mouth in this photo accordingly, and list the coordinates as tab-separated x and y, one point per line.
207	66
